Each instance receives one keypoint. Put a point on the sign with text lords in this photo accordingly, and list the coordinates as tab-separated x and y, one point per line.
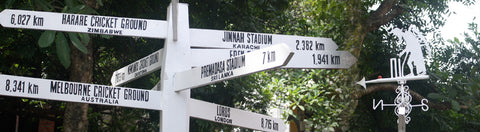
255	61
79	92
236	117
137	69
81	23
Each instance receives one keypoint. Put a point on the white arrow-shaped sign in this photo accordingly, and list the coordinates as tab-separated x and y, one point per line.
207	38
215	71
81	23
236	117
301	59
137	69
79	92
363	83
310	52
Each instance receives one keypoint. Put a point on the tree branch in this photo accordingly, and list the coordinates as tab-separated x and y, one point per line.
387	10
392	87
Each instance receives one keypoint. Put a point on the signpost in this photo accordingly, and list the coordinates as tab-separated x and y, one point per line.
175	59
108	25
301	59
137	69
79	92
310	52
207	38
216	55
236	117
255	61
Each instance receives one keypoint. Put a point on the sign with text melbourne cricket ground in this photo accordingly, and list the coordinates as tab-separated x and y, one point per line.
219	70
81	23
79	92
310	52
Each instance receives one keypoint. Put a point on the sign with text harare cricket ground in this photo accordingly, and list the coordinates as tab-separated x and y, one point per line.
236	117
81	23
255	61
79	92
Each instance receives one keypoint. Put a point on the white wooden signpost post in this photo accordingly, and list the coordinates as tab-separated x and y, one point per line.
175	59
223	55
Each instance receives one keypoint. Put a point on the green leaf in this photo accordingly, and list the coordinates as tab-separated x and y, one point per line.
75	9
63	50
106	36
85	38
100	2
77	43
65	9
9	4
83	9
43	5
69	3
434	96
301	108
46	39
455	105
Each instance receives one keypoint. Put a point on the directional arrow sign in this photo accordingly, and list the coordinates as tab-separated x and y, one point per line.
310	52
79	92
81	23
363	83
301	59
137	69
215	71
236	117
206	38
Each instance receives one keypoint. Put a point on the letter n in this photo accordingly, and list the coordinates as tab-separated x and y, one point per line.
379	103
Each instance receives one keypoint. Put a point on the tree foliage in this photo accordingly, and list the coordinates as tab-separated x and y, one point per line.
455	81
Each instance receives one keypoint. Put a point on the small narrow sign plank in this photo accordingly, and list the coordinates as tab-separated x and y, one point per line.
81	23
301	59
207	38
235	117
79	92
215	71
205	56
137	69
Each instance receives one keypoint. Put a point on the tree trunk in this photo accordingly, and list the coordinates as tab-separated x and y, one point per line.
75	118
388	10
